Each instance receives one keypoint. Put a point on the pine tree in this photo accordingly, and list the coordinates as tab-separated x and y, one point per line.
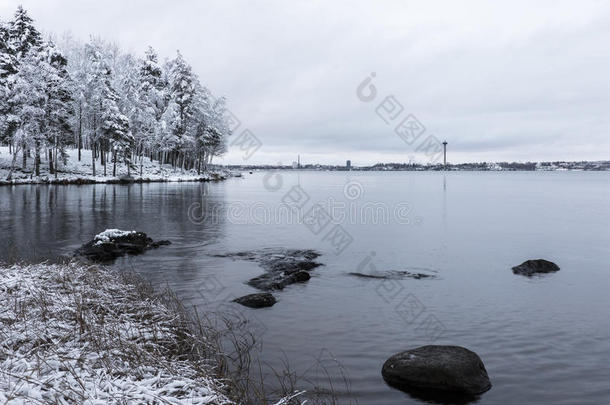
28	100
151	74
102	99
8	67
217	130
115	125
154	99
78	69
96	80
182	86
23	34
59	107
132	104
8	64
22	37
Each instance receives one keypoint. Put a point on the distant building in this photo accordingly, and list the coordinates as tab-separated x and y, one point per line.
348	164
295	165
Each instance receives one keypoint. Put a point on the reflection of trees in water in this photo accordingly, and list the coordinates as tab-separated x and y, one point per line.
44	221
22	219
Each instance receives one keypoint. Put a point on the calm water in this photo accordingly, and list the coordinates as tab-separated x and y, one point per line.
543	340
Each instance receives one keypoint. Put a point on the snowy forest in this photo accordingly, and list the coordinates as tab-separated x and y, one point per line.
63	94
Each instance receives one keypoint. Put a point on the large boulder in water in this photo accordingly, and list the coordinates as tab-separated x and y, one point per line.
537	266
442	368
113	243
258	300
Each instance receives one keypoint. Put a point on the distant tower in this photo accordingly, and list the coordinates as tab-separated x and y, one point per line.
348	165
299	161
445	153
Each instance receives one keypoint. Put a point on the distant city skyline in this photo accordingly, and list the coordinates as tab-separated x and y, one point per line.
517	81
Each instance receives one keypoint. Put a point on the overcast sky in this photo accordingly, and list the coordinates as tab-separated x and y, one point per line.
516	81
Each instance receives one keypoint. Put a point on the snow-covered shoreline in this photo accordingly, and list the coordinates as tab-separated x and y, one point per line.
77	180
80	172
73	333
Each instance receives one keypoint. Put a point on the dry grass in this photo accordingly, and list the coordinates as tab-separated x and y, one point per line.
254	382
83	334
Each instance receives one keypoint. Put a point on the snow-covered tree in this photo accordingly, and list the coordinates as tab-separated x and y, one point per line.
218	129
23	35
115	127
8	67
8	64
27	97
115	131
98	89
182	97
95	96
58	107
19	37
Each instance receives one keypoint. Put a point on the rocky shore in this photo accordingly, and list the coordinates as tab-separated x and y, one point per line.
80	333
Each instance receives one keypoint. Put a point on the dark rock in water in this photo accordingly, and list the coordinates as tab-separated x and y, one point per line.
258	300
437	368
393	275
537	266
126	179
299	277
283	267
158	243
277	281
113	243
362	275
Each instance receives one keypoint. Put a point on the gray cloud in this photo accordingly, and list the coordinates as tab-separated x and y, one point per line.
514	81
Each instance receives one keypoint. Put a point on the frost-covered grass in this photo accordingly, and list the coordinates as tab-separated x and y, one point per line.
76	334
75	171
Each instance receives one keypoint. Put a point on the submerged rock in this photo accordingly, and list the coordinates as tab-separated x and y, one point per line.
537	266
393	275
113	243
258	300
282	267
442	368
277	281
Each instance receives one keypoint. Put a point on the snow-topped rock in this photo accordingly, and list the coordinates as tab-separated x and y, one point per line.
112	243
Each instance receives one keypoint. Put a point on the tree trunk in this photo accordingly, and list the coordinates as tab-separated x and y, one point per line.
14	161
50	157
80	129
114	164
37	159
25	157
55	165
93	157
103	155
93	149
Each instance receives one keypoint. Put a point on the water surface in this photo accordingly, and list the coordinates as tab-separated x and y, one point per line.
543	340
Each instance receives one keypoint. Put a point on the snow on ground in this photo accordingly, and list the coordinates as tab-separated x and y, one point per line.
75	170
75	334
